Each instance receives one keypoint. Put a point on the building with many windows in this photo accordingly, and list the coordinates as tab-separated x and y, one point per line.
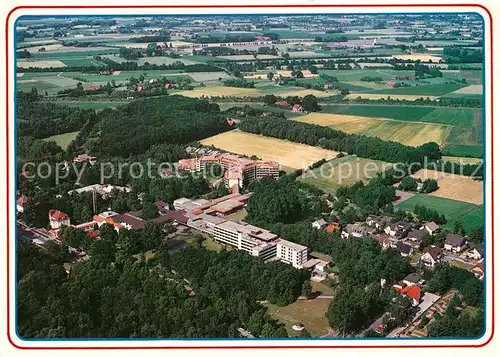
291	253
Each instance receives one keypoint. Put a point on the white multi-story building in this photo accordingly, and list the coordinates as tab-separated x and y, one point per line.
291	253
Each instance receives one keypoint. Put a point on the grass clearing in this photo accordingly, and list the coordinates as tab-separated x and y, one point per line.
321	288
221	91
98	105
343	172
470	215
462	160
311	313
63	140
288	154
380	111
429	90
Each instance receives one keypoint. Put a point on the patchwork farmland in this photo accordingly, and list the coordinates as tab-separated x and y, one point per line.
288	154
413	134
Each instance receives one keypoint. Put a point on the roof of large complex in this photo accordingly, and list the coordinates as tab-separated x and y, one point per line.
245	228
291	245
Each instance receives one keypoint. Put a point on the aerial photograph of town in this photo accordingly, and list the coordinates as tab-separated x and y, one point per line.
250	176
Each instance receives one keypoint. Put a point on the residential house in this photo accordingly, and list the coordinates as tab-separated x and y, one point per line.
297	108
415	235
378	222
455	243
58	219
476	253
319	224
431	228
84	158
406	250
478	271
332	227
412	279
281	103
414	293
432	256
354	230
397	228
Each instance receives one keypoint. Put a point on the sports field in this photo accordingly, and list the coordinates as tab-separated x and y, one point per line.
470	215
456	187
408	133
221	91
343	171
288	154
63	140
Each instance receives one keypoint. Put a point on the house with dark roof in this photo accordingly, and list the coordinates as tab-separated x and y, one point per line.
354	230
431	257
455	243
397	228
319	224
378	222
412	279
404	249
416	235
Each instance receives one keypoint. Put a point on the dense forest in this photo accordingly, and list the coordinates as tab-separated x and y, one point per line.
363	146
44	119
116	295
134	128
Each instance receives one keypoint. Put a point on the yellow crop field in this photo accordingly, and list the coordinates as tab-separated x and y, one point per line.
288	154
393	96
40	64
408	133
221	91
425	57
456	187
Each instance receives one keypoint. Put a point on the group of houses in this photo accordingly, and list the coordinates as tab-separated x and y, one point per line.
405	237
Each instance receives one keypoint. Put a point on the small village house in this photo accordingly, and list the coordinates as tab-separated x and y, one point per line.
475	253
478	271
21	202
431	228
319	224
431	257
58	219
354	230
455	243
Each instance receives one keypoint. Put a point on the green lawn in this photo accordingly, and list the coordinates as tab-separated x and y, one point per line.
311	313
380	111
63	140
468	214
356	75
431	90
83	62
464	150
98	105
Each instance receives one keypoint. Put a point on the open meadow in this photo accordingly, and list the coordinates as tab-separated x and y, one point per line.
311	313
63	140
289	155
220	91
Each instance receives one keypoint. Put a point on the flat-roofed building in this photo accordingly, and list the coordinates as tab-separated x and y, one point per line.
291	253
265	251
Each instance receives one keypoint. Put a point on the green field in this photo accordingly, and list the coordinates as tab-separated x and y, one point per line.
63	140
98	105
356	75
470	215
431	89
40	86
464	150
343	171
447	116
82	62
61	55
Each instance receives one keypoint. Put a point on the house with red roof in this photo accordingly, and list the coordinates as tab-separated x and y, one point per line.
169	86
58	219
297	108
282	103
413	292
